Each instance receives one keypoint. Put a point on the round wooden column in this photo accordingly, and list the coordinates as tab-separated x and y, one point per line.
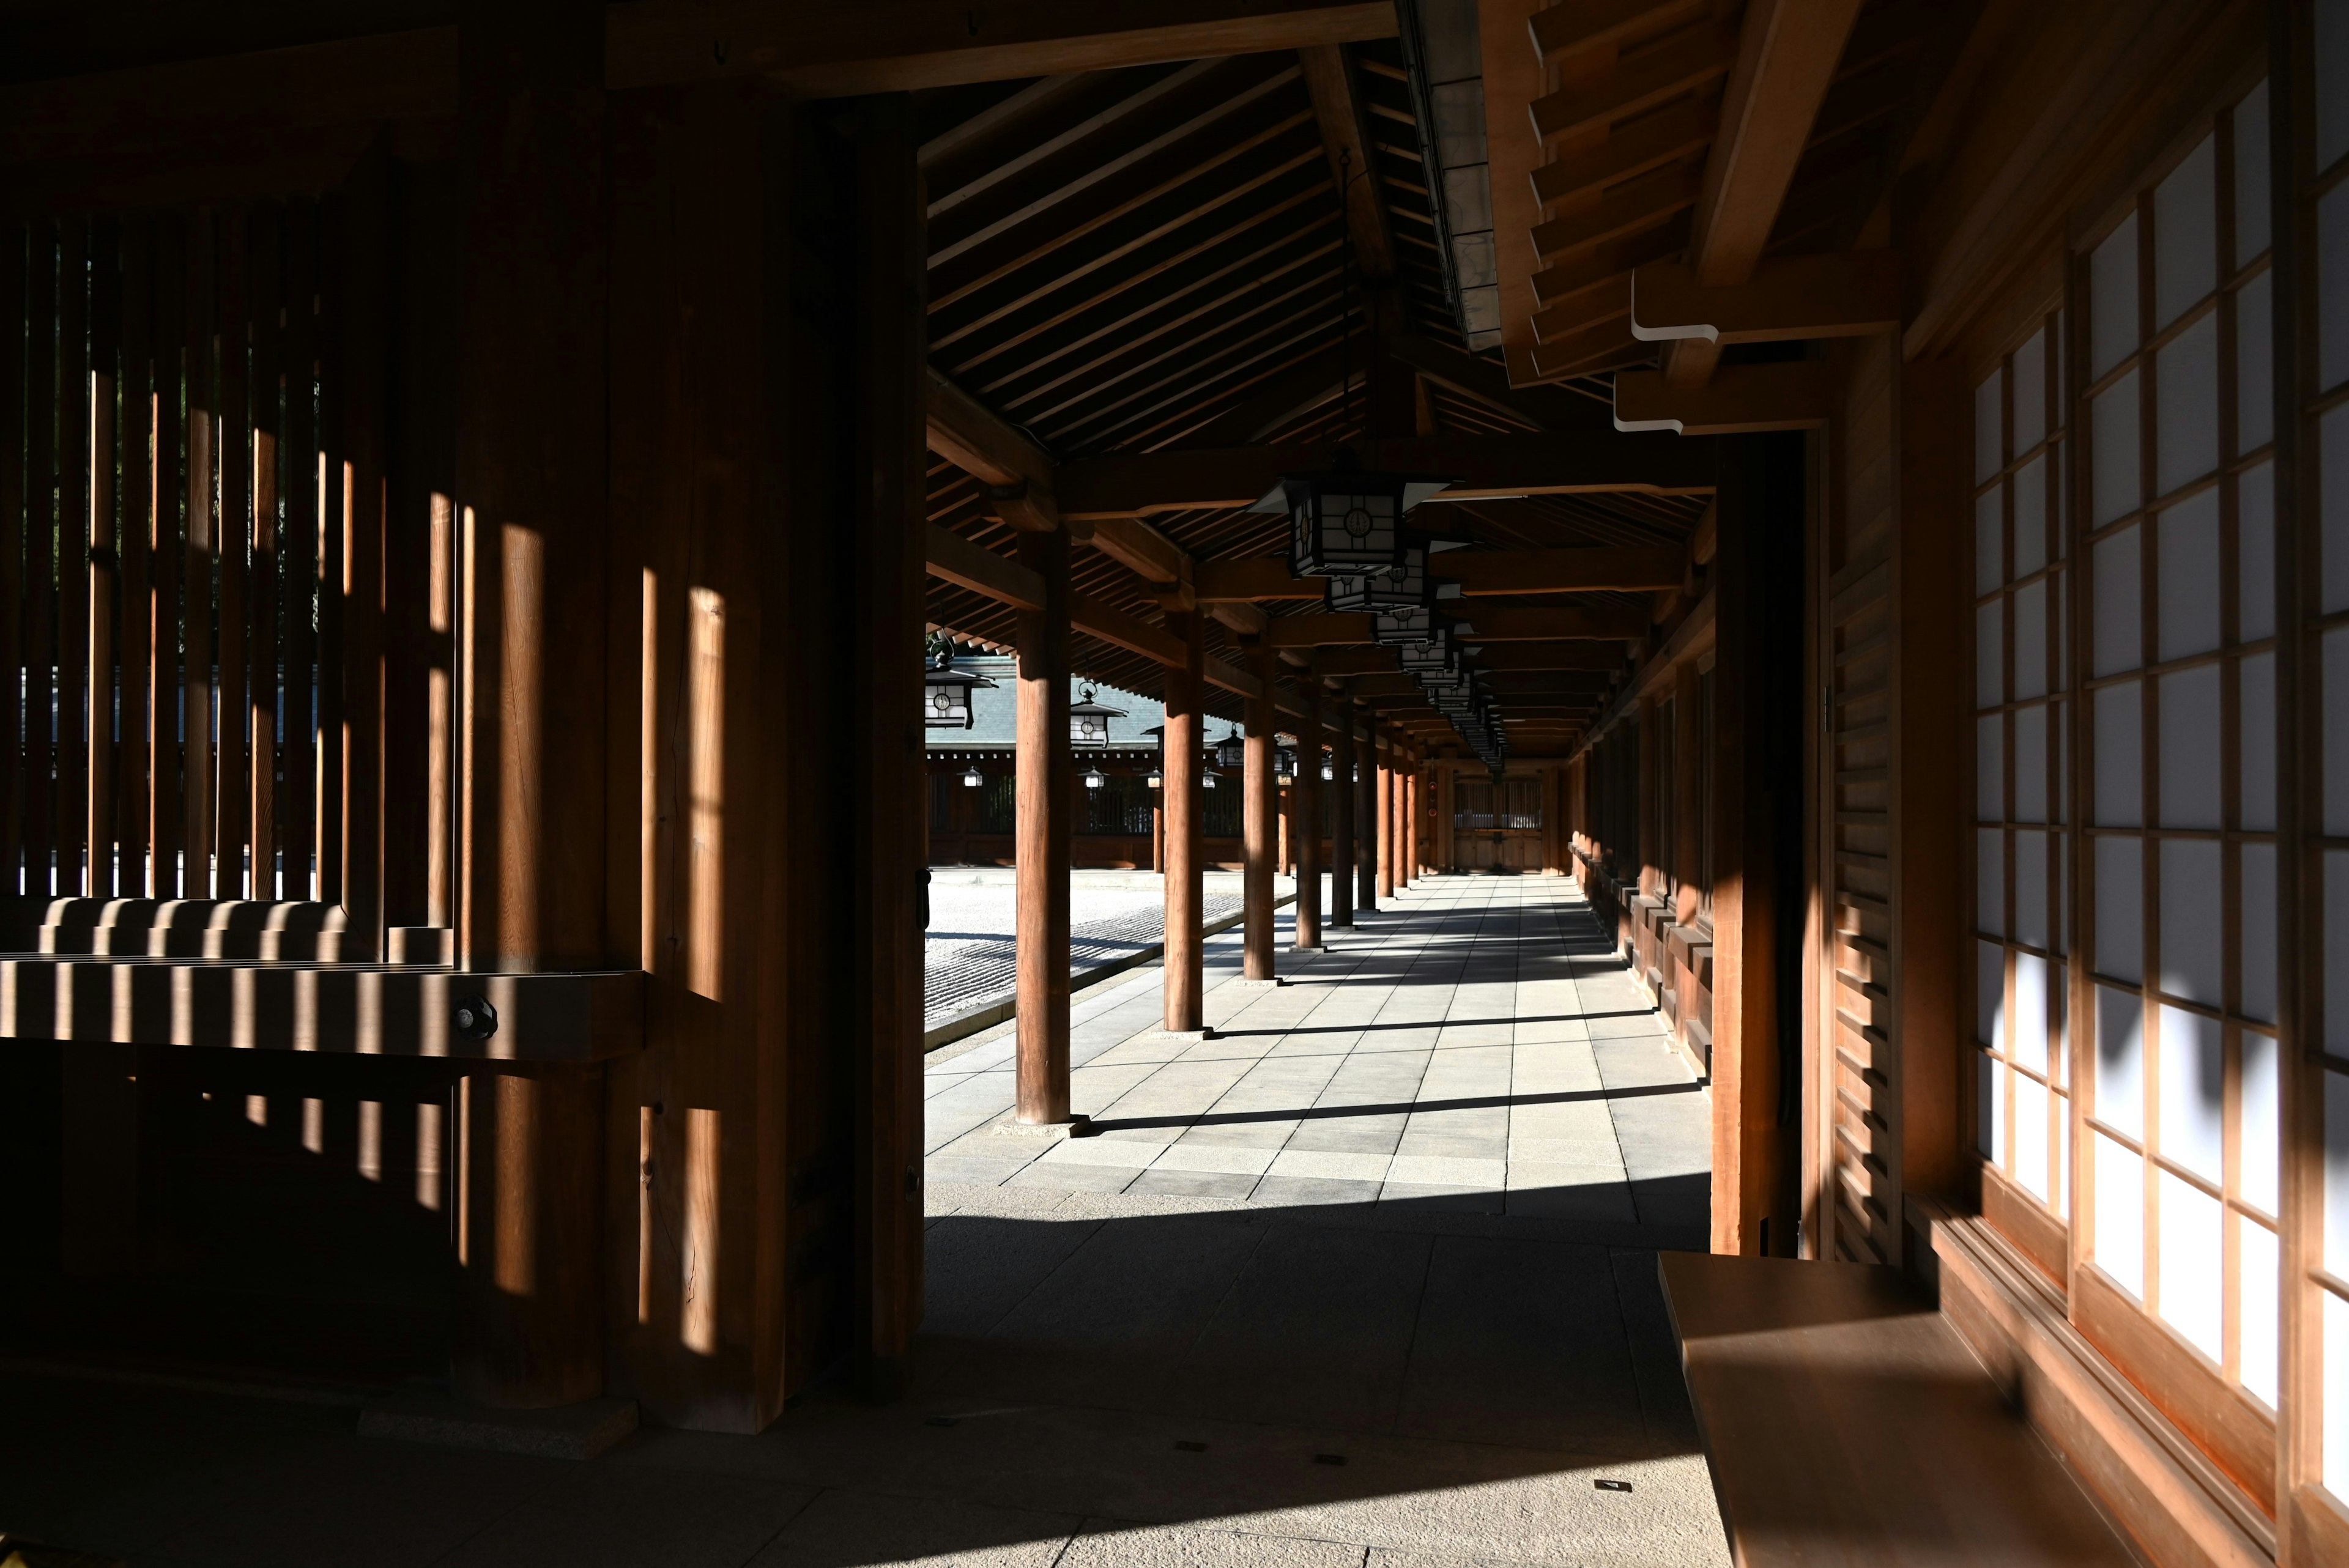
1259	825
1366	815
1184	941
1305	815
533	493
1411	804
1386	826
1341	818
1043	810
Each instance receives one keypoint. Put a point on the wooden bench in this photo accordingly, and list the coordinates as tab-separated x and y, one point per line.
1846	1422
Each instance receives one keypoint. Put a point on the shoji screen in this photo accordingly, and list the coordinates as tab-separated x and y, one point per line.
2022	1114
2180	1067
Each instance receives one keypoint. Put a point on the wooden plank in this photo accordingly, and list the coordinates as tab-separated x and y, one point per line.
138	433
980	443
1576	178
167	813
40	602
1836	293
1649	79
1796	396
72	472
1518	623
267	397
14	588
1141	550
914	45
231	791
1482	381
574	1017
1336	108
1564	463
1810	1442
1098	618
100	544
1317	631
1230	677
297	808
954	559
1618	568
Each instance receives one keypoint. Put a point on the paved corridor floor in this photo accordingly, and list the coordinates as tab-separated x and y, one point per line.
1368	1281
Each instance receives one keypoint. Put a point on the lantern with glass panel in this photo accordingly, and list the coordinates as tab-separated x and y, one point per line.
1438	656
1089	723
946	691
1284	765
1404	588
1231	751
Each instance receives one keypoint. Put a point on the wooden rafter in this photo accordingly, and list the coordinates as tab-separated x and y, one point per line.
1339	110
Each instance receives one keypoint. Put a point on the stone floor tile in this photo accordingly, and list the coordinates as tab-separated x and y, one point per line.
1182	1546
854	1529
1163	1180
636	1514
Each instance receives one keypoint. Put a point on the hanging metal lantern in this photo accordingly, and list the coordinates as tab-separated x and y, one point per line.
1284	764
1345	519
1089	723
1402	628
1438	656
1329	769
1095	778
1231	751
972	778
1207	780
1405	587
946	691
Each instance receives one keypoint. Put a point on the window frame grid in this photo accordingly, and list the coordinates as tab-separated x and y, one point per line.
2147	516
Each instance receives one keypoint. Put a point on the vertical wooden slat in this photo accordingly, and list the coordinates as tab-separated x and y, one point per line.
297	801
72	820
233	794
167	813
261	662
13	240
136	382
100	548
197	545
327	723
41	562
363	329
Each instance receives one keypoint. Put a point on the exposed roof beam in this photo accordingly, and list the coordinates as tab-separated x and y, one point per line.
1016	472
1277	401
1483	468
1787	55
1500	624
1630	569
1329	79
957	559
1487	382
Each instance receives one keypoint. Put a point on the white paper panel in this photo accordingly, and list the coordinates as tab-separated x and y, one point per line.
2120	906
2059	1006
2255	545
2193	945
2120	1214
2030	1134
2255	715
2120	1060
2186	585
2115	480
2333	507
1990	653
1990	767
2335	1398
2031	765
2030	372
2031	888
2257	936
2186	407
1998	1140
2262	1265
2337	1172
2193	1250
2031	641
2112	298
2332	653
1990	540
2254	366
2333	288
2261	1179
2116	604
2336	952
2193	1093
2063	1158
1990	995
2186	233
2119	756
1990	880
2191	748
2031	517
2252	174
2031	1011
1989	433
1990	1107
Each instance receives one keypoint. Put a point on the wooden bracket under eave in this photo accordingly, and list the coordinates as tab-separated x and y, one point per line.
1741	399
1838	293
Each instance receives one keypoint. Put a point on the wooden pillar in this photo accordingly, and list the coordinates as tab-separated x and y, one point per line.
532	477
1411	798
1366	815
1341	818
1257	822
1045	807
1386	824
1186	979
1305	811
1688	796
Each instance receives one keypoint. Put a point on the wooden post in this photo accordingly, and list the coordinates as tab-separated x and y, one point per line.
1305	806
1386	824
1257	821
1366	814
1341	818
1411	799
1185	979
531	476
1044	809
